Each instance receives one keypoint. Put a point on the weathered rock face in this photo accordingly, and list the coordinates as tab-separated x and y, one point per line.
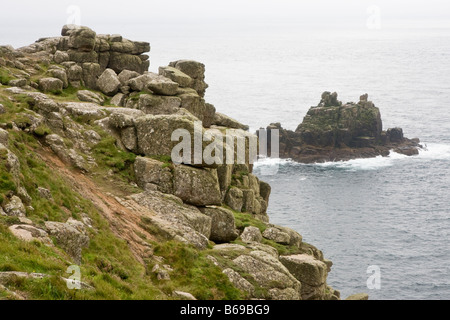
269	273
235	199
154	133
90	73
159	135
81	45
69	238
251	234
50	85
239	282
153	172
4	137
223	228
358	297
14	207
197	186
18	83
196	71
109	51
331	124
154	82
108	82
11	162
311	272
30	233
67	155
333	131
276	235
223	120
126	75
180	221
177	76
89	96
154	104
59	73
193	103
75	74
81	38
121	61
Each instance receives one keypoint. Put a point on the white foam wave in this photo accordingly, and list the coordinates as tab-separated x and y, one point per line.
366	163
267	161
431	151
435	151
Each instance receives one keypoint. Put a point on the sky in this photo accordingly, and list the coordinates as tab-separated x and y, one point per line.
24	21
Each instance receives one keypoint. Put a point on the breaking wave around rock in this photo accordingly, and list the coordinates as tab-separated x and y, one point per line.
431	151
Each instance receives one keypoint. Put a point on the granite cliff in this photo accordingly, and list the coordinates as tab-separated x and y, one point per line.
87	181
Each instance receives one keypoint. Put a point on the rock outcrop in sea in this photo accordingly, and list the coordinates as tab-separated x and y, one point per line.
332	131
85	154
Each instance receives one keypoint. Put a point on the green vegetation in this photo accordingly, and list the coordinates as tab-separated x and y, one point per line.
4	76
108	264
17	255
119	161
282	249
226	262
15	112
42	130
136	95
67	94
148	225
244	219
6	181
167	161
193	272
36	173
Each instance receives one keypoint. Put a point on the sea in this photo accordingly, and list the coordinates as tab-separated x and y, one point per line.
385	221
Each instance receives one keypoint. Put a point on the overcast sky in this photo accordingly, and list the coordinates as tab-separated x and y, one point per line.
23	21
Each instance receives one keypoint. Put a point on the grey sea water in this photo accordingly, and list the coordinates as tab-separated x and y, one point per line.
392	212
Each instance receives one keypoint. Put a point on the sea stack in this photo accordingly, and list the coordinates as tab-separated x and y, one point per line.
333	131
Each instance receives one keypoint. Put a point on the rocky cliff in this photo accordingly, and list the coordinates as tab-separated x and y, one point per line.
332	131
87	179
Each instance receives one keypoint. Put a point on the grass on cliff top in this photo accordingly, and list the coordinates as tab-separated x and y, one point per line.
66	95
5	76
108	264
113	164
245	219
35	173
193	272
15	111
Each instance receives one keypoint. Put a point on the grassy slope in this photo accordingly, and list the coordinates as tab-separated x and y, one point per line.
108	263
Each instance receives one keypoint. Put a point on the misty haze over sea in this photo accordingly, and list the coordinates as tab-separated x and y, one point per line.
391	212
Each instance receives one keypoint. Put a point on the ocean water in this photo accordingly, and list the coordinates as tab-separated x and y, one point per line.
393	212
